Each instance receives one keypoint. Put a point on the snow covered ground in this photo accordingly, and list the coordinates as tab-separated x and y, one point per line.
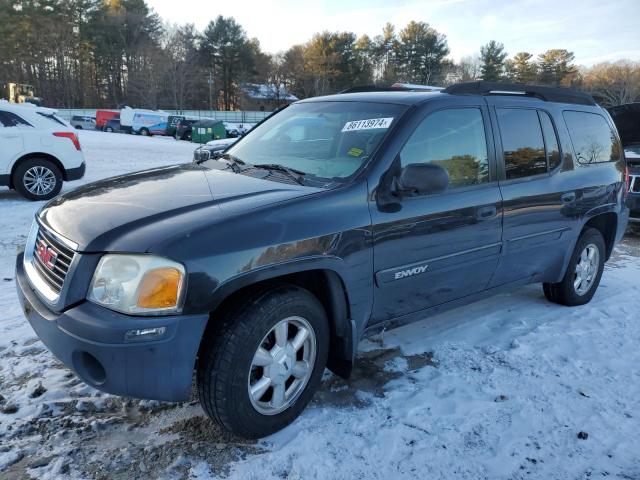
510	387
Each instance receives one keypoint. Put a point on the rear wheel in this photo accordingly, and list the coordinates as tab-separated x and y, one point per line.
37	179
109	129
258	370
583	273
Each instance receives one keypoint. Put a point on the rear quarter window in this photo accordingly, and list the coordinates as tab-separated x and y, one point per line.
10	119
593	139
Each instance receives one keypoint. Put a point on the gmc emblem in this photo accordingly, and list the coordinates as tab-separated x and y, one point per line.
46	255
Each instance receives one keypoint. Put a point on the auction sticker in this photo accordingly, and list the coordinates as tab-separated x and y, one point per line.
367	124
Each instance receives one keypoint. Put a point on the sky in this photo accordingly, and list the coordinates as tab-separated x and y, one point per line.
595	30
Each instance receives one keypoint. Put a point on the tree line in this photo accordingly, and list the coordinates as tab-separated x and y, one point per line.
108	53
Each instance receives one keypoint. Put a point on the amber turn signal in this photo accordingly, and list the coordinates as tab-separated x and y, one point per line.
160	288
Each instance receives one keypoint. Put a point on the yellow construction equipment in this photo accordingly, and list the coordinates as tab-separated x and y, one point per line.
20	93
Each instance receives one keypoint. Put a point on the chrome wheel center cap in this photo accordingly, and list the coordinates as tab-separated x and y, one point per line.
280	369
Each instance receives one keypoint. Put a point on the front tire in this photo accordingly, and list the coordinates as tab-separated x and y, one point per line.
260	367
583	273
37	179
144	132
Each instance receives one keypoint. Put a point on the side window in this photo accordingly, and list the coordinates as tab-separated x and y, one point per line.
455	140
592	137
550	140
10	119
522	142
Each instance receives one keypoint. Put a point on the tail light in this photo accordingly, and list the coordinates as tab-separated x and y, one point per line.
71	136
627	180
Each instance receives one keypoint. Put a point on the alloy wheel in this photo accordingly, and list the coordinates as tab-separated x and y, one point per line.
586	269
39	180
282	365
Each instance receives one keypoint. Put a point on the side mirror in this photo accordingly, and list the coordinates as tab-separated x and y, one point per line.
422	179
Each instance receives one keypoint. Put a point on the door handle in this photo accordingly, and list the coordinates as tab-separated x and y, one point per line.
483	213
568	197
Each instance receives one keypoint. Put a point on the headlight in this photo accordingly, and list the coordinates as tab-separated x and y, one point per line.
137	284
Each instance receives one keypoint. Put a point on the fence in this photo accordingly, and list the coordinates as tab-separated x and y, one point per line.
225	116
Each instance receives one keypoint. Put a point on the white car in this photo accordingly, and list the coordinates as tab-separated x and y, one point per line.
38	151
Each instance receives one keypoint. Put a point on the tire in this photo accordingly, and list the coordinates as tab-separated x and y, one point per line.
187	137
226	370
109	130
144	132
78	127
25	179
586	264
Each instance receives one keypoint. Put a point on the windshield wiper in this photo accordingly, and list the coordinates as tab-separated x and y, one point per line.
235	161
297	175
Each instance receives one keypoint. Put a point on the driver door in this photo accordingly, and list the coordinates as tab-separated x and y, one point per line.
432	249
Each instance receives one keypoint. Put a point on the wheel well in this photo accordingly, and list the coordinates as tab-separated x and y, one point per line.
607	224
29	156
328	288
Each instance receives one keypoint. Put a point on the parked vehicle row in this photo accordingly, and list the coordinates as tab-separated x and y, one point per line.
336	217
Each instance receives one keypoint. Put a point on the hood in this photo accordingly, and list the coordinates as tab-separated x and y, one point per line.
132	212
223	142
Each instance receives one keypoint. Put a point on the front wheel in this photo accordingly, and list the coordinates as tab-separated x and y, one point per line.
583	273
260	367
144	132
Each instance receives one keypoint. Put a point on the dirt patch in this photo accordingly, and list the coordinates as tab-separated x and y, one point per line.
372	371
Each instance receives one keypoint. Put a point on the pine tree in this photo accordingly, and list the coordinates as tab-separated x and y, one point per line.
421	53
492	56
556	68
521	68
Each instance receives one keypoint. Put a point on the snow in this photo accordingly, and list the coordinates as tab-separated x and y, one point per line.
498	389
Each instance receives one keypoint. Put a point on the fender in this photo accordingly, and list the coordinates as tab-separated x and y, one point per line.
329	286
589	216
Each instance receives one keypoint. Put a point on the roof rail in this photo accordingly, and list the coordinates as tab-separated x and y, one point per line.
549	94
373	88
396	87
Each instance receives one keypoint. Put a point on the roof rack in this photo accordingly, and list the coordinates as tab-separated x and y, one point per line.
396	87
372	88
549	94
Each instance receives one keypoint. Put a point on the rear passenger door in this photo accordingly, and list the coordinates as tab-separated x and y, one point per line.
536	189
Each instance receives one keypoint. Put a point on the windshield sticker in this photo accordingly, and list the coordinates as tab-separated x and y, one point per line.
367	124
355	152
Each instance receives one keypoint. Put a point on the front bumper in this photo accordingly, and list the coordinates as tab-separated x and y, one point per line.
90	340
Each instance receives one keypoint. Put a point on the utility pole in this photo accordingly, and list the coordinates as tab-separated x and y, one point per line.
210	91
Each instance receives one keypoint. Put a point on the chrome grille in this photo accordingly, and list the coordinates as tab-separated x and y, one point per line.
53	272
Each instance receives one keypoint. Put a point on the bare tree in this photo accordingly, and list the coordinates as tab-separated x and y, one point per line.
614	83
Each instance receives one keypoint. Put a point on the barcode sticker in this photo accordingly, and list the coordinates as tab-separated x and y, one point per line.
368	124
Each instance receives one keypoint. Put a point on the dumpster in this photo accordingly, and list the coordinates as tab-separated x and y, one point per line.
206	130
172	123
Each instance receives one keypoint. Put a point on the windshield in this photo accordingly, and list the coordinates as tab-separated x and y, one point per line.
328	140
